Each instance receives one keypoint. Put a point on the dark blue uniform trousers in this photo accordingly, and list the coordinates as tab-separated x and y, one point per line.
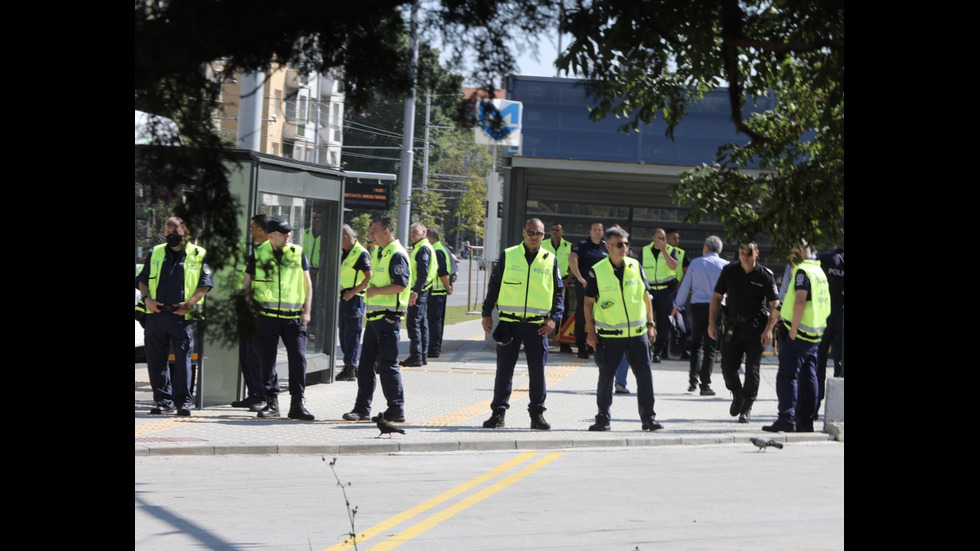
832	335
379	354
293	336
436	318
536	352
250	365
416	320
350	317
608	357
796	382
160	332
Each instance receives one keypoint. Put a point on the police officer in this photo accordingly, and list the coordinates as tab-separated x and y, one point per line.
526	289
249	362
619	322
442	287
387	300
311	242
583	256
803	318
751	298
561	248
659	259
832	264
172	285
355	275
277	279
423	276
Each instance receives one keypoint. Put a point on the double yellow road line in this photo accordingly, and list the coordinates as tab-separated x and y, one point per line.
452	510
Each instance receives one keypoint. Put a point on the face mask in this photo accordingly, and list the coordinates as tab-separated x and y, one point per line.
174	240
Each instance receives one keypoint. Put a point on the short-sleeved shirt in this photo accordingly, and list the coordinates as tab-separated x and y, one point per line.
588	254
748	294
362	264
170	289
398	270
833	265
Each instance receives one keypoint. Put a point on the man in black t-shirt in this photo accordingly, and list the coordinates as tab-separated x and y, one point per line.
751	298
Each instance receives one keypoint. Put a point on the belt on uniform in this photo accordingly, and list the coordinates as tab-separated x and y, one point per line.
530	319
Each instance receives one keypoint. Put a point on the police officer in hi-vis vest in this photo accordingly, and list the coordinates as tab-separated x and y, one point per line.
423	264
355	275
803	318
172	286
619	322
660	262
277	280
561	249
526	289
442	287
387	300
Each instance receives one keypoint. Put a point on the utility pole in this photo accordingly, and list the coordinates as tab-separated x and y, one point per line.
249	135
405	174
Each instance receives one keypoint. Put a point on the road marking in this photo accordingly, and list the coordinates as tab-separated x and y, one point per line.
430	503
453	510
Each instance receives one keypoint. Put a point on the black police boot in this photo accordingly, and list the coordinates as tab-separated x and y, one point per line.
271	408
496	420
297	410
349	373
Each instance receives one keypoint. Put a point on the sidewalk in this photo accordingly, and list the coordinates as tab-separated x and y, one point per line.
447	401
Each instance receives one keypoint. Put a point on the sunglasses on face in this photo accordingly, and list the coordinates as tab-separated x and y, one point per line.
532	233
623	245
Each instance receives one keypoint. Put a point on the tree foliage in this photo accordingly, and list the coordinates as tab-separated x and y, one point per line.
652	59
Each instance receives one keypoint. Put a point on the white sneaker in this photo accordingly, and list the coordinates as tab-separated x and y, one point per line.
620	389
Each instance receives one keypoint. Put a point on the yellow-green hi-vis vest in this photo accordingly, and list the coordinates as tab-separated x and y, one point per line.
817	309
527	292
349	277
193	264
279	287
379	305
619	310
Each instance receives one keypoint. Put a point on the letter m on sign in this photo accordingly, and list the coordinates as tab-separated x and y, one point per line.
499	122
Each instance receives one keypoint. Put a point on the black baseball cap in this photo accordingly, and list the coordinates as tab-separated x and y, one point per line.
279	225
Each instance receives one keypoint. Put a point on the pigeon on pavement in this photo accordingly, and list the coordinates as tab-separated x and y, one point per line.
386	427
762	443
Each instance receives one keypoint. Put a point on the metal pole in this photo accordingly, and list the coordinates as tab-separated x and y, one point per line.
249	134
405	174
425	151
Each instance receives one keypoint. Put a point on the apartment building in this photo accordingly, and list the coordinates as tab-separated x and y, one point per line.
302	113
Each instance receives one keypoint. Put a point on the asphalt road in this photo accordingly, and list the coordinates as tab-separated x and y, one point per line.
728	497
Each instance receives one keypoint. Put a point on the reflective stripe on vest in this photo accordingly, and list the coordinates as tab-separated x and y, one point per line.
658	275
561	253
817	309
279	287
379	305
349	277
193	264
526	291
437	287
620	309
433	269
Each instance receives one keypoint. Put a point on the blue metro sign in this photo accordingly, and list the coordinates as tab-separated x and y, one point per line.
499	119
